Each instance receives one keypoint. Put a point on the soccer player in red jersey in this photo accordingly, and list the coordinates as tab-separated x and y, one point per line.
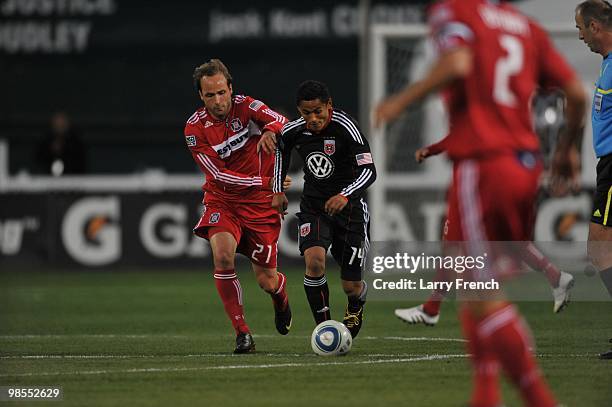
492	59
222	137
428	313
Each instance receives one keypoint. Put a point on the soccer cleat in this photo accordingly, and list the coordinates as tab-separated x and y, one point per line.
244	343
561	294
282	320
353	320
416	315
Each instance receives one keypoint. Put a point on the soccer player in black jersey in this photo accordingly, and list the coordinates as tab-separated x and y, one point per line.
338	168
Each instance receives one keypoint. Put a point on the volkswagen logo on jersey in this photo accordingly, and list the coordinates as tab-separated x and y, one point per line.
329	147
236	125
319	165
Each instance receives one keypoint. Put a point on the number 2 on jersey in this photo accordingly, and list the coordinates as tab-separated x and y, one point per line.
507	66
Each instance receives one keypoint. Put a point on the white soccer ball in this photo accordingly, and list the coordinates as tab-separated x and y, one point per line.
331	338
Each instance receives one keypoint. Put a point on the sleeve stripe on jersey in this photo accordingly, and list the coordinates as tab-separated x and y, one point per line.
292	124
278	170
350	127
227	178
193	119
358	183
277	117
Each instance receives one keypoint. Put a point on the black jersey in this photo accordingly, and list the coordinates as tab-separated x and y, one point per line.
337	160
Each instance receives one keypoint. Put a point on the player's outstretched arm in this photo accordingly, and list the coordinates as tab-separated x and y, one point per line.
214	167
437	148
421	154
270	121
282	157
267	143
454	64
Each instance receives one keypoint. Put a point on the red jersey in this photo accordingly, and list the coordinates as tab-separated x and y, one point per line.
226	150
439	147
490	109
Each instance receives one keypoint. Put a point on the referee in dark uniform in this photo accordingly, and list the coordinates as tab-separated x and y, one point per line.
338	168
594	22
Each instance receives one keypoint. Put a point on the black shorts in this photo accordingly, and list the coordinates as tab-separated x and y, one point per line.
347	233
602	201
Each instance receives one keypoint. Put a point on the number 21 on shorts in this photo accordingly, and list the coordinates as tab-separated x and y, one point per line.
260	249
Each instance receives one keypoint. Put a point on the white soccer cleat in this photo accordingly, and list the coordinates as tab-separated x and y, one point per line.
561	294
416	315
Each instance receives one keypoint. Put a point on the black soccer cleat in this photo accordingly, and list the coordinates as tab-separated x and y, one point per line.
282	320
353	320
244	343
606	355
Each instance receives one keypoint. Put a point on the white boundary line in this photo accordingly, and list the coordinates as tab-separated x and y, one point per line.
419	338
110	336
263	366
94	336
202	355
230	355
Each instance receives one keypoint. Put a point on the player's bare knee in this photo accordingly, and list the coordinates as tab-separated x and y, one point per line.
223	259
593	255
598	255
315	266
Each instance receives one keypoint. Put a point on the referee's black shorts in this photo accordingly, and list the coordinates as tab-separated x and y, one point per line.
602	202
347	233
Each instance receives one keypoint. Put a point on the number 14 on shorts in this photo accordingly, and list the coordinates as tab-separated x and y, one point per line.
358	253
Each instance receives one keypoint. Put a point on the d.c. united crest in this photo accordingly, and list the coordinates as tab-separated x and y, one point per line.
329	147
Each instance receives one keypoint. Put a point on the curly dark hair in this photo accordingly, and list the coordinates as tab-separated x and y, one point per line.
312	90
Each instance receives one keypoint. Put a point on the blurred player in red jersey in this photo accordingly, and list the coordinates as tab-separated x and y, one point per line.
222	137
428	313
492	59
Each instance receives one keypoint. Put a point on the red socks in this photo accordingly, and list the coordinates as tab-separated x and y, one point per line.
502	337
485	367
538	261
230	291
279	298
432	306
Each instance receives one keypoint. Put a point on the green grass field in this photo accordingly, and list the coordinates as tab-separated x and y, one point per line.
162	339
